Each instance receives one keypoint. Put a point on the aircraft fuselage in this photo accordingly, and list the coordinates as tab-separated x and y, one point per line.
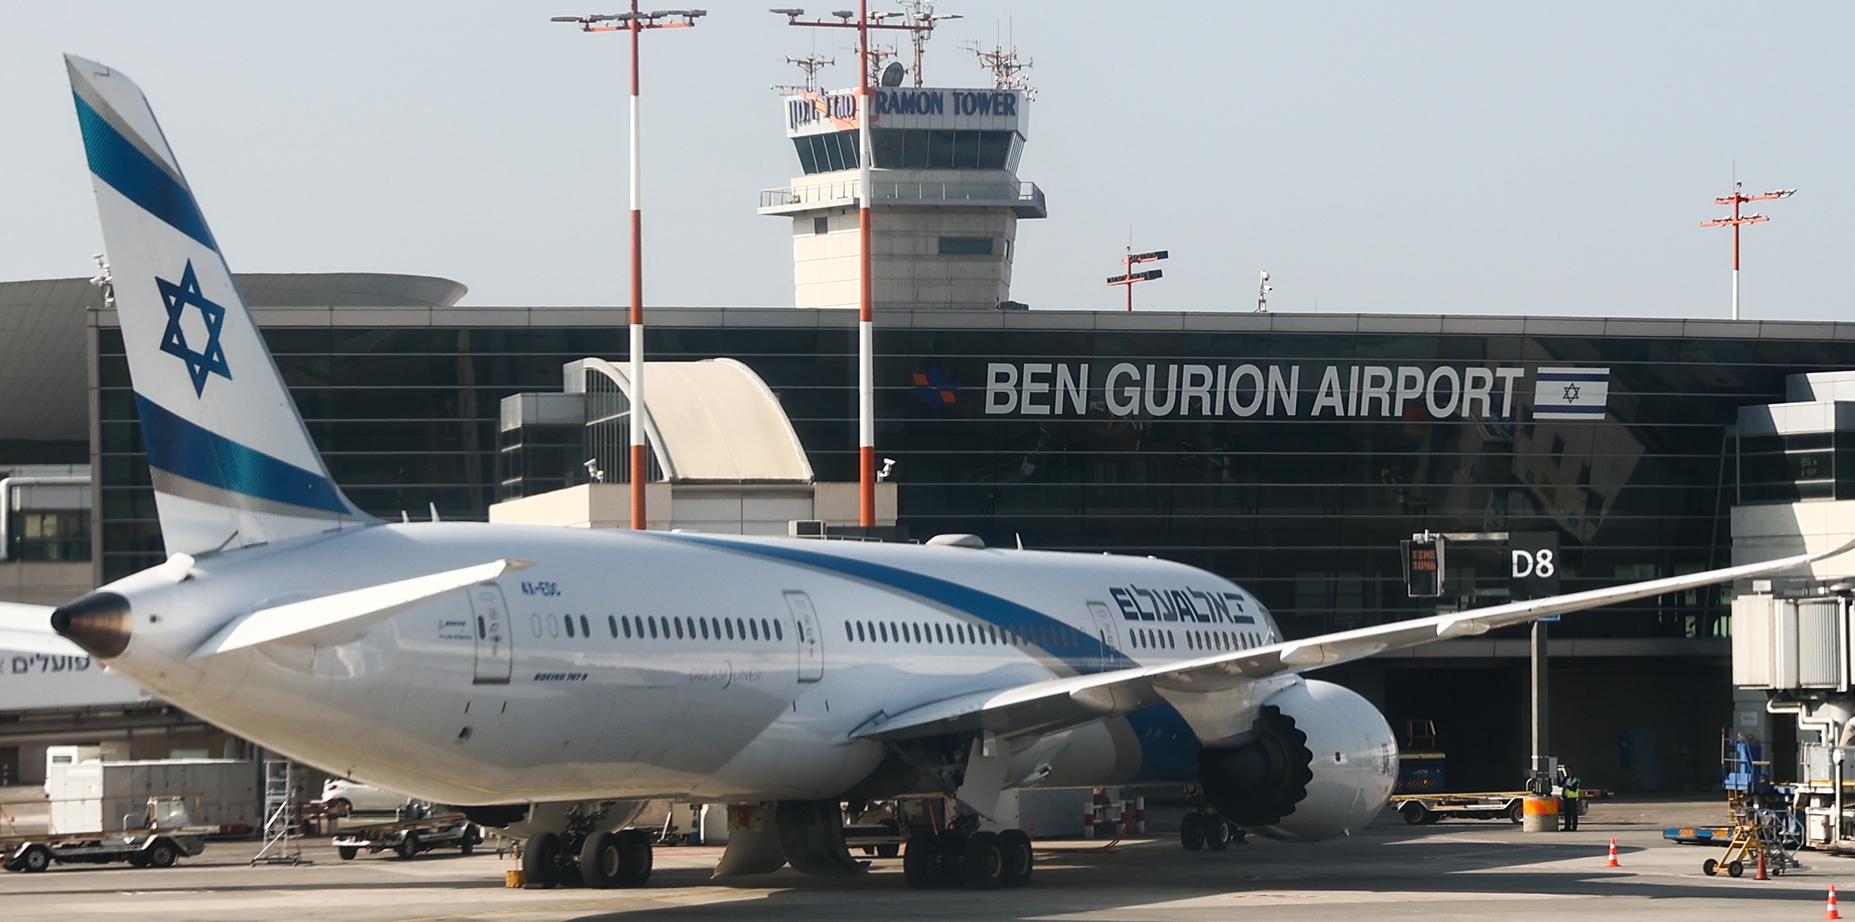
627	665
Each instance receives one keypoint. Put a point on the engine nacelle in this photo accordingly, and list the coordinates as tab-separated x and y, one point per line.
1320	762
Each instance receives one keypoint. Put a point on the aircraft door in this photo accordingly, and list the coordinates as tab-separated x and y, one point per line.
495	642
805	631
1104	625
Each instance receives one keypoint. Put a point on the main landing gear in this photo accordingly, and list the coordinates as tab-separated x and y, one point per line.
1203	829
975	861
586	854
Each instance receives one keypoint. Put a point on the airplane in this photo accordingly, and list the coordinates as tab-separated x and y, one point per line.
552	680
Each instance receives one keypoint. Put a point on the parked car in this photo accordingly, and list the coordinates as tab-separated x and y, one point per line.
345	797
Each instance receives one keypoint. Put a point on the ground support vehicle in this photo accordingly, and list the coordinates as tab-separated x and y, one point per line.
1424	809
407	839
1765	825
162	835
1698	835
97	797
142	848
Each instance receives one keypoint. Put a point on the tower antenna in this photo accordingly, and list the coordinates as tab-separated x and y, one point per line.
811	66
1006	67
921	13
1129	278
1735	220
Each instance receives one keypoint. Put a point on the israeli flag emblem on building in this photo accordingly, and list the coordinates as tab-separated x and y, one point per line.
1571	393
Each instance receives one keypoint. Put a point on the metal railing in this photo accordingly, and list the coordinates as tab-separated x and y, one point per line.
891	192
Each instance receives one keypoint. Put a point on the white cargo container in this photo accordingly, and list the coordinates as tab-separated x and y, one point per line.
113	796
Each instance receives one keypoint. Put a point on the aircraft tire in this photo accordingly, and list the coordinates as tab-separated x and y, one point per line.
1216	833
1191	831
636	858
600	860
921	863
1015	848
952	848
984	862
541	861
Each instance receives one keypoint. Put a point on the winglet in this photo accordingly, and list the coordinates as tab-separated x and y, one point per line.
335	618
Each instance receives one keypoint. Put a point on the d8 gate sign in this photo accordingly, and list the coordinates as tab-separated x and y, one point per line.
1534	560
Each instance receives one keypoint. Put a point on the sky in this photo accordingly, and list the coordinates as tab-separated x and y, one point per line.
1412	157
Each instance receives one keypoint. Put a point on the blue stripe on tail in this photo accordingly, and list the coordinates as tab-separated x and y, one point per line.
142	181
186	449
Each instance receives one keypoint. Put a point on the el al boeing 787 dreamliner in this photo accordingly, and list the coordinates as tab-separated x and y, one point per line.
550	680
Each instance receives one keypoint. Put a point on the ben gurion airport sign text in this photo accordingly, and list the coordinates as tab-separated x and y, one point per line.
1345	391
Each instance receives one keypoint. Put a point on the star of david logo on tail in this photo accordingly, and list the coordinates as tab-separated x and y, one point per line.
211	358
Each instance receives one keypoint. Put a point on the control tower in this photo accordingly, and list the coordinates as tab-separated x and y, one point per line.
945	199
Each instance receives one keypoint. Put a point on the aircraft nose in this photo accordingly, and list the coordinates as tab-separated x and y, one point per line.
98	622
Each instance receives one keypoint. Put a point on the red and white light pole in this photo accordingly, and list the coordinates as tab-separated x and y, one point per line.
1128	277
1735	220
866	316
635	23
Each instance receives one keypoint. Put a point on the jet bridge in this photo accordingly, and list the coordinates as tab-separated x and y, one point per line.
1793	662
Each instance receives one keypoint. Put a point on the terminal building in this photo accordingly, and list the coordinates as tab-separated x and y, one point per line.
1289	452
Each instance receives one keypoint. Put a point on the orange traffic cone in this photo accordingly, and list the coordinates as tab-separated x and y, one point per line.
1831	912
1612	863
1761	875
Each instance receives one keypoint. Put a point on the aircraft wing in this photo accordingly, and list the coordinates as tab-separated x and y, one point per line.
1046	707
28	629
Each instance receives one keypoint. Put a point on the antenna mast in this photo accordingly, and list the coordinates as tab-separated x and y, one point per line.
1735	220
1007	70
861	20
921	13
811	66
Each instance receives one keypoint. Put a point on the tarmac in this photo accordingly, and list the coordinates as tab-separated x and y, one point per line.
1452	870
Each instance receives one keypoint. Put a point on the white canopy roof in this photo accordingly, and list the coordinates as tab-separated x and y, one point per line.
712	421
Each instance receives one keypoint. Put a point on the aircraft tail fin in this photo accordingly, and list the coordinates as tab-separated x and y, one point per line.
231	461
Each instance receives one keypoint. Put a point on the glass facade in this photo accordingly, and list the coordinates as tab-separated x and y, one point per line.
912	149
1290	453
1291	461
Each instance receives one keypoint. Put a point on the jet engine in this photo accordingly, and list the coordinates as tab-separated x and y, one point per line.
1319	762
